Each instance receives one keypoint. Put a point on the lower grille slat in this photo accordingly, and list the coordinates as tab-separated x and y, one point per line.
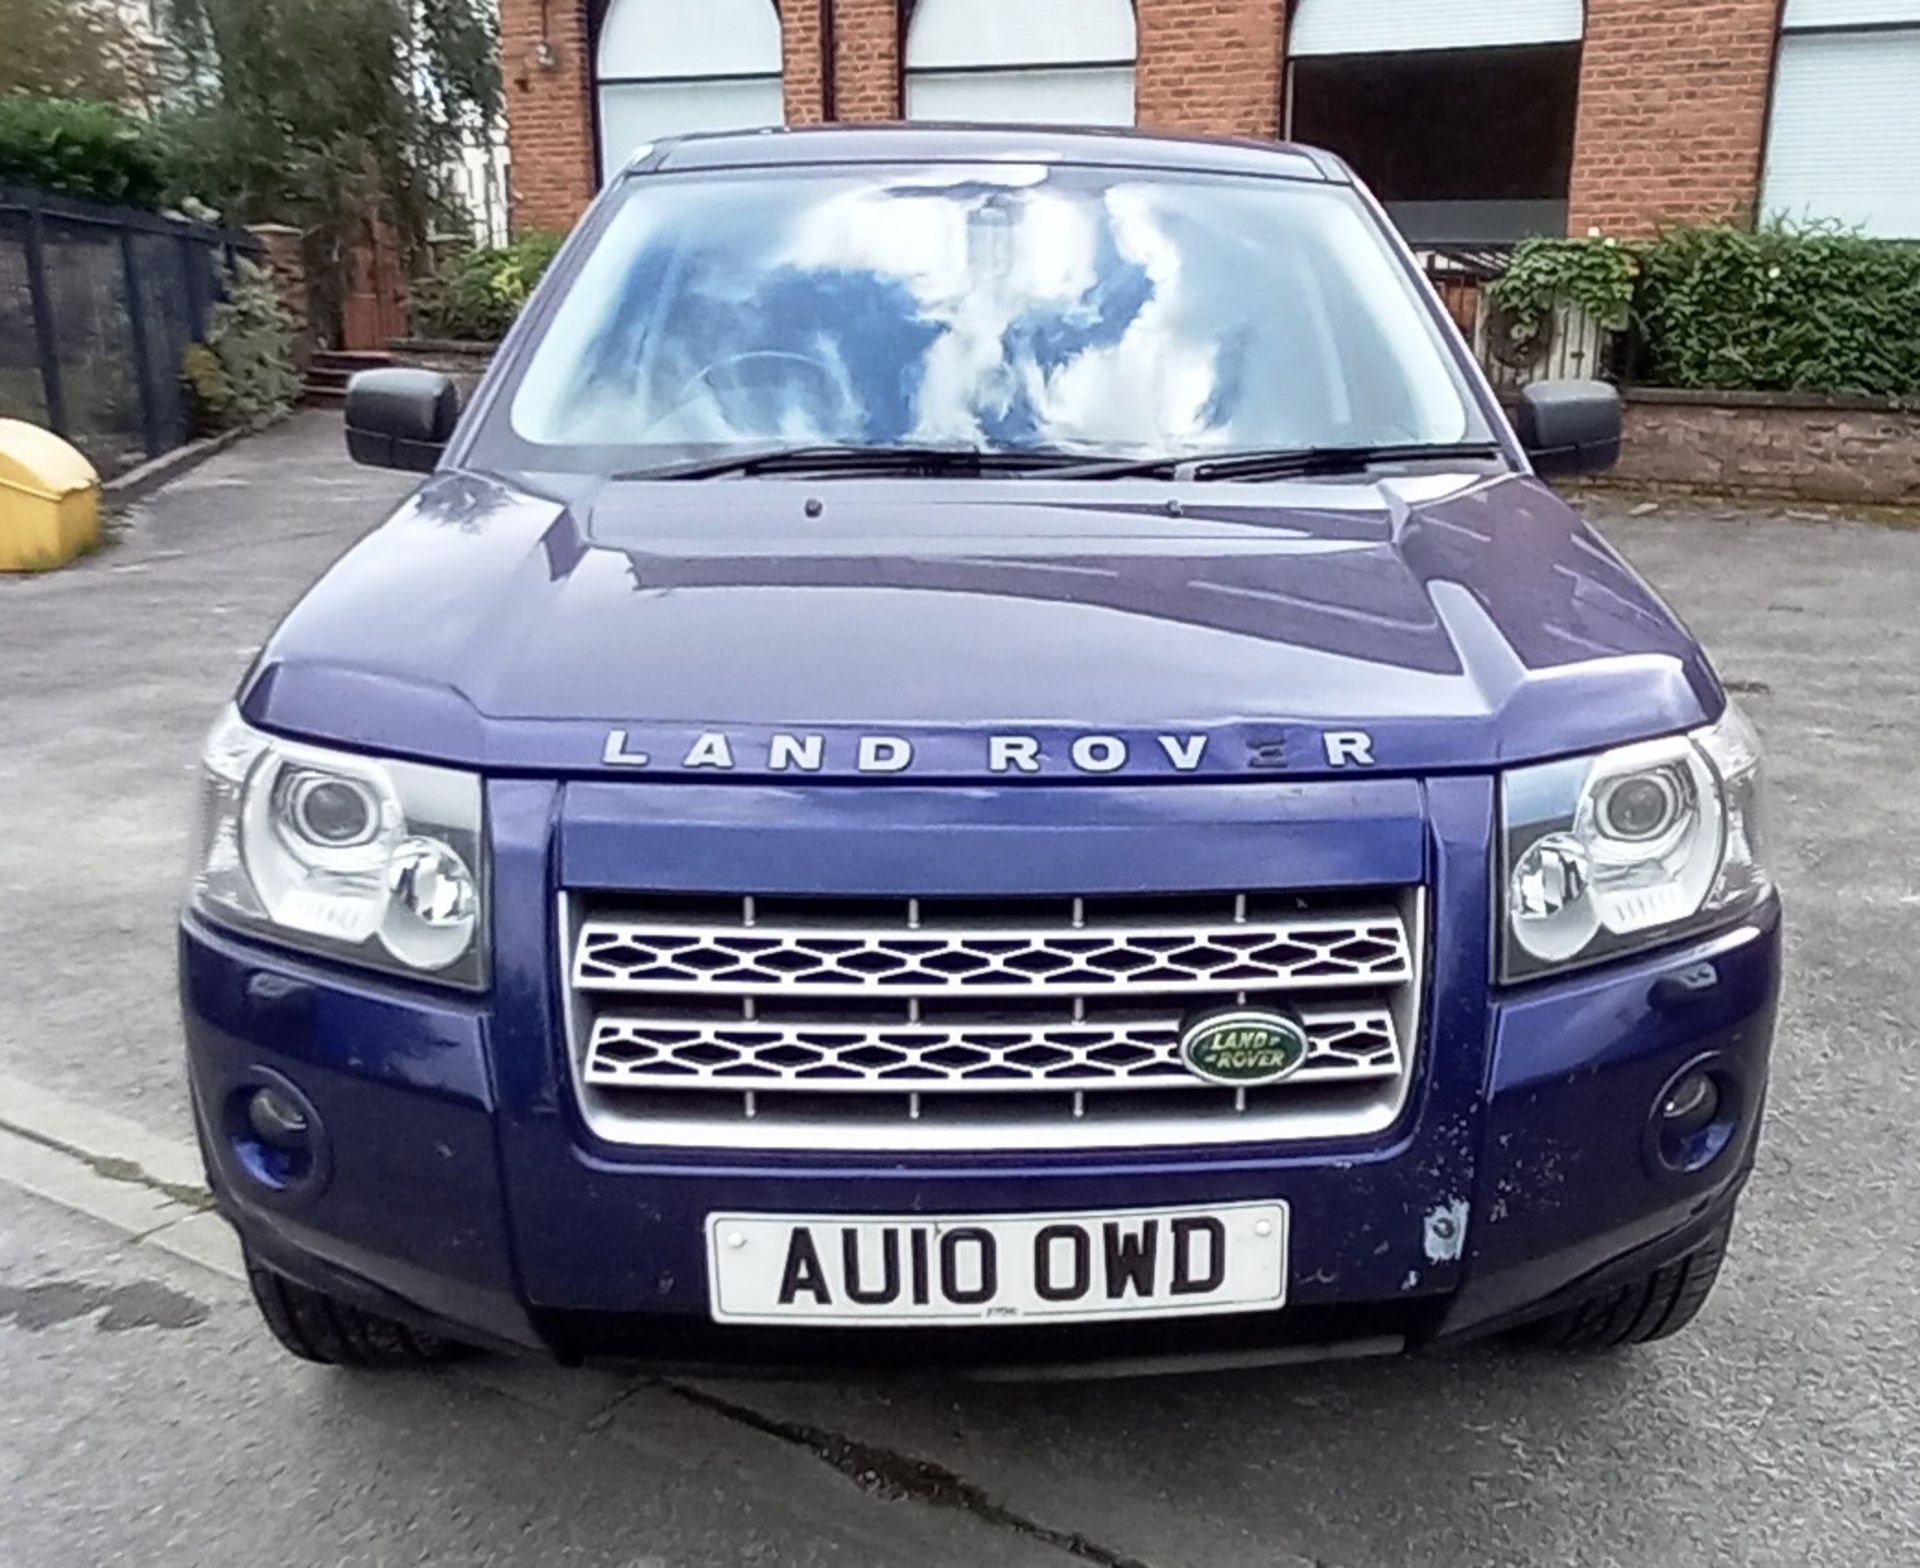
627	1050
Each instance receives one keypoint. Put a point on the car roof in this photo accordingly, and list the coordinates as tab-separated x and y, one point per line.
926	142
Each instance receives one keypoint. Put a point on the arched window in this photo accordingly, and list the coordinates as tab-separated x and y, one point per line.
1065	62
1844	139
1459	113
666	67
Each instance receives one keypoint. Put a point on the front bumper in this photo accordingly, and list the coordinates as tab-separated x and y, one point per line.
457	1186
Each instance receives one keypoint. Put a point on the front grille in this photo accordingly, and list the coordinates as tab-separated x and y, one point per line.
980	1023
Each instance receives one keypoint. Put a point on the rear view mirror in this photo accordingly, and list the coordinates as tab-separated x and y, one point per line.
1570	427
400	418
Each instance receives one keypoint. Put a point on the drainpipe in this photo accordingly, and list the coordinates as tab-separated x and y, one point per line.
829	52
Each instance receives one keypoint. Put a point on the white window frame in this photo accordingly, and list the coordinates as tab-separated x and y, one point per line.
1009	52
1865	25
1353	27
707	53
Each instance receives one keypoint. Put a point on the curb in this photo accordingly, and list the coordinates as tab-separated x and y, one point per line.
157	471
121	1148
143	1217
1795	508
146	1185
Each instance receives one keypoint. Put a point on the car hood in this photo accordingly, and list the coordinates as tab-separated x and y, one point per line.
937	628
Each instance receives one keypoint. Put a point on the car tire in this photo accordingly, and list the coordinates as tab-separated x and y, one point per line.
317	1327
1658	1303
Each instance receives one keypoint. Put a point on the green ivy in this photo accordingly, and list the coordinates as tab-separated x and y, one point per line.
76	147
477	293
1595	275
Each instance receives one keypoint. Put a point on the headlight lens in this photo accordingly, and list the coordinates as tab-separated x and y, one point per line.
377	861
1603	855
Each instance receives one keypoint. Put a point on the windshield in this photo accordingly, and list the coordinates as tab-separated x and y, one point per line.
1003	308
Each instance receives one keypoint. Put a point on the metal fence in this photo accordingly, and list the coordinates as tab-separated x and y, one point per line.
1570	345
97	305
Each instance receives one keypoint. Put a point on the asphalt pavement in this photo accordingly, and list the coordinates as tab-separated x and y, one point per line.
145	1419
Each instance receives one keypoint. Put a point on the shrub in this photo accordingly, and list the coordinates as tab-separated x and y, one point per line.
477	293
206	384
75	147
251	340
1782	309
1777	309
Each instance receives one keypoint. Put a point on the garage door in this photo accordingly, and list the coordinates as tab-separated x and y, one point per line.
1458	113
1322	27
1844	144
1051	62
665	68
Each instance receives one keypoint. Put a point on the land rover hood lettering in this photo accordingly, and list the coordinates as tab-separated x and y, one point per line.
784	751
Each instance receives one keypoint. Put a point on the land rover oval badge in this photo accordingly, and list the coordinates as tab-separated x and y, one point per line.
1244	1046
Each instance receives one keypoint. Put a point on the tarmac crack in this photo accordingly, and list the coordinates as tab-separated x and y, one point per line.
901	1477
113	1168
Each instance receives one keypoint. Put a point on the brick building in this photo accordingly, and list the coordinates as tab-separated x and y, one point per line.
1477	121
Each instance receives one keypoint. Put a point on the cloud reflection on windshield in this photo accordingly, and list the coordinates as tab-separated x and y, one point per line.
1003	309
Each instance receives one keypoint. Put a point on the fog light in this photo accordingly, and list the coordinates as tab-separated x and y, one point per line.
275	1120
1692	1122
1693	1103
276	1135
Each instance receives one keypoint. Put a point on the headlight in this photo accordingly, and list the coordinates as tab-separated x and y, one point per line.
1603	855
380	862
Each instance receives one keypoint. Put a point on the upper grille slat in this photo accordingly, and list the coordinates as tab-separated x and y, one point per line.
1364	949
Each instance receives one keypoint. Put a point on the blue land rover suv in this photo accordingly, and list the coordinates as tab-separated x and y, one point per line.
982	747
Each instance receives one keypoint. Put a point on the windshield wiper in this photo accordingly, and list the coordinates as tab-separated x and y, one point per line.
929	461
945	461
1279	462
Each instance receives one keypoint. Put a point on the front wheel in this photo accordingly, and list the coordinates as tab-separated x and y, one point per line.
1658	1303
318	1327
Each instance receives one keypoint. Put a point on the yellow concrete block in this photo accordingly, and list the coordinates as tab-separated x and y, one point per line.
49	499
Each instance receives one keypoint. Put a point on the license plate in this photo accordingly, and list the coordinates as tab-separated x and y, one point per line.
1030	1268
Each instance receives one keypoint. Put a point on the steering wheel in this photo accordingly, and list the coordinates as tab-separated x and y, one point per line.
704	377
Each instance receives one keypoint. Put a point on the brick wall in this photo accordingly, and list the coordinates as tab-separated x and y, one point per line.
867	38
464	363
800	61
547	77
1673	104
283	254
1787	446
1210	66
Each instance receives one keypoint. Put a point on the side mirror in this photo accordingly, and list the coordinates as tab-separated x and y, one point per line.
1570	427
400	418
